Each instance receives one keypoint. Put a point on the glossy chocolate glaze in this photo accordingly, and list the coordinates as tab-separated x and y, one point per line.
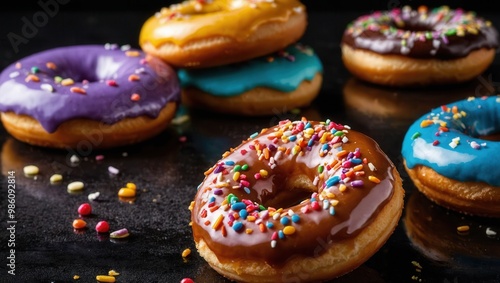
441	33
102	72
317	229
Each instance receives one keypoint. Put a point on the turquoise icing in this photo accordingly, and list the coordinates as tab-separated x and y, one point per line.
284	73
473	159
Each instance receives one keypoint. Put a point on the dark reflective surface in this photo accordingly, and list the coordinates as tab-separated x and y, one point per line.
168	168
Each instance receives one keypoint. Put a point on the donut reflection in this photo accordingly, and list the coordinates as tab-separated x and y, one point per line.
434	232
371	100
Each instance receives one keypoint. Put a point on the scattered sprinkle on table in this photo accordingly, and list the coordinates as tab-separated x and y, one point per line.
79	224
112	272
463	228
31	170
75	186
119	234
94	196
105	278
56	178
126	193
187	280
186	252
102	227
113	170
76	277
85	209
74	159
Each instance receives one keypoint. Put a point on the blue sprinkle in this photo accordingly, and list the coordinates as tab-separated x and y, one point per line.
308	125
229	162
292	138
356	161
332	210
295	218
332	181
310	142
324	147
211	199
238	206
284	220
247	190
269	225
254	135
243	214
237	226
281	235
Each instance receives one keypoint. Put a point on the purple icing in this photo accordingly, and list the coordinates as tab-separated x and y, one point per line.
102	71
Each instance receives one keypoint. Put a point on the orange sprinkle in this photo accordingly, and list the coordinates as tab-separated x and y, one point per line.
288	150
341	153
225	154
209	171
79	224
223	231
132	53
203	213
18	65
133	78
426	123
51	65
454	109
214	208
266	153
32	78
218	222
463	228
77	90
262	227
250	218
207	223
135	97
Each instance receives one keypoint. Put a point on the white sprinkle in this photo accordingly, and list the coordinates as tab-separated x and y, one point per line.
290	212
405	50
47	87
345	139
490	232
372	167
125	47
93	196
326	204
74	159
475	145
125	154
276	216
180	119
453	144
436	43
273	244
113	170
316	180
13	74
56	178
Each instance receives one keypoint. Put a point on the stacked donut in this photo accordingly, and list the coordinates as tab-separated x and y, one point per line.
237	57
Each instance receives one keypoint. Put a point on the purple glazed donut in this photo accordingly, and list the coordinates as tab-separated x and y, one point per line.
103	94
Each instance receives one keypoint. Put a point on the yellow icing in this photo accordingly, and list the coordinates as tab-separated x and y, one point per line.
201	19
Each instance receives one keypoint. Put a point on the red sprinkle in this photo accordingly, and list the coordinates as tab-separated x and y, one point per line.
85	209
102	227
187	280
135	97
436	142
111	83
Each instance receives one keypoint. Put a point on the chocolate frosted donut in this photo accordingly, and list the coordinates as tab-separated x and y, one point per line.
302	201
419	47
123	94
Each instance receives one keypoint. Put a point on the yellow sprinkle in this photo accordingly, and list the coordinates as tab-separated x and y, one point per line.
330	195
105	278
31	170
251	218
132	53
289	230
358	167
263	173
191	206
218	222
249	231
334	202
75	186
463	228
236	176
374	179
67	82
126	193
76	277
56	178
113	273
131	186
342	187
186	252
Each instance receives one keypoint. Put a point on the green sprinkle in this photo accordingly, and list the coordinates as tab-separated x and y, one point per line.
451	32
428	35
237	168
339	134
58	79
403	42
321	168
415	135
261	207
244	167
35	70
254	135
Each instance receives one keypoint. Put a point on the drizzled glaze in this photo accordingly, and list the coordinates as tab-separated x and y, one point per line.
441	33
284	71
102	83
194	20
247	208
448	140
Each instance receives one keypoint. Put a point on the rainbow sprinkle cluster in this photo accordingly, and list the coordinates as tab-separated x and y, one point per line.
442	22
337	170
48	83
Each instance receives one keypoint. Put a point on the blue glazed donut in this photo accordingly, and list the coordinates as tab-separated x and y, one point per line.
449	159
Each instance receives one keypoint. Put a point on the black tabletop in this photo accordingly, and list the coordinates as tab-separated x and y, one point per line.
168	168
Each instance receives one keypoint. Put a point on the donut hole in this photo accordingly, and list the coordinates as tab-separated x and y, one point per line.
92	69
288	191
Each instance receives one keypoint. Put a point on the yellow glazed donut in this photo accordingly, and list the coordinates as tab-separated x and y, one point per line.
301	201
409	47
212	33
